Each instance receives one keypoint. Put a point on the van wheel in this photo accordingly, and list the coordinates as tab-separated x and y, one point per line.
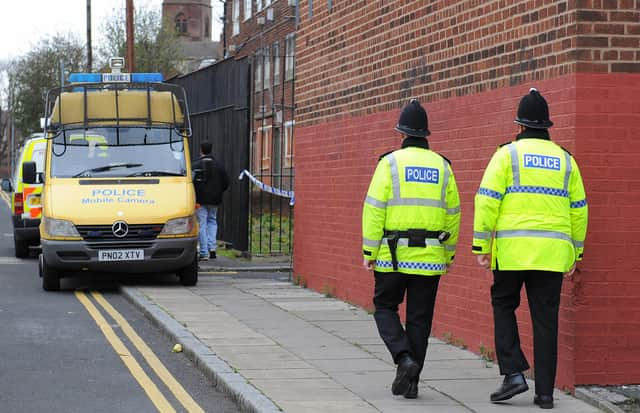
189	274
21	247
50	277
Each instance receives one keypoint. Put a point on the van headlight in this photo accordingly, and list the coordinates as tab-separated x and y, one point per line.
178	226
59	227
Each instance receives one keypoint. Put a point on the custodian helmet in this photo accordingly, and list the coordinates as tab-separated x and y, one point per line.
413	120
533	111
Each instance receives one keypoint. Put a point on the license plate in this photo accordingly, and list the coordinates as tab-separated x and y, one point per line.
34	200
120	255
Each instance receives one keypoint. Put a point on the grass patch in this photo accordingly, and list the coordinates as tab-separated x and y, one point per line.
328	290
449	338
271	234
221	251
299	280
488	355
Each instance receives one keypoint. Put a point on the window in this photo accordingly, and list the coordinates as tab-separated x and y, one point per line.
266	58
276	63
267	3
290	55
236	17
264	135
258	76
255	152
329	5
288	144
207	33
247	9
276	158
37	156
310	8
181	24
258	5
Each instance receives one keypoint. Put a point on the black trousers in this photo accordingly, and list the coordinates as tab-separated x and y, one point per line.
389	292
543	293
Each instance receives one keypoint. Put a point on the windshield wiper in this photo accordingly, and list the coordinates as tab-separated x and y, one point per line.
88	172
156	173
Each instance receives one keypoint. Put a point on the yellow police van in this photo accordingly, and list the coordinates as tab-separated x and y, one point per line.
26	208
117	192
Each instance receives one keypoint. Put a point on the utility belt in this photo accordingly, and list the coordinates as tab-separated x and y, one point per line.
416	237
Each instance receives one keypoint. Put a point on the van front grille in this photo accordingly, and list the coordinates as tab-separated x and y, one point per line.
118	245
101	233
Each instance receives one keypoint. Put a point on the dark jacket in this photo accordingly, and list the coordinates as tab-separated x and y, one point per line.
213	180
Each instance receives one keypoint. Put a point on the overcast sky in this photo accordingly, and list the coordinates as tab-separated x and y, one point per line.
24	22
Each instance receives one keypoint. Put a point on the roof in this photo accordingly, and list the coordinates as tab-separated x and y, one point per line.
201	50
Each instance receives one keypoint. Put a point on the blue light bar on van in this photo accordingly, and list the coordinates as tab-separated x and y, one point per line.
85	78
146	77
115	77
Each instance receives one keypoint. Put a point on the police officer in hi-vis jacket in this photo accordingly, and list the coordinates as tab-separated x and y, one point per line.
410	224
529	227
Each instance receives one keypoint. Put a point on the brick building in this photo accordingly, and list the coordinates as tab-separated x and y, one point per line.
192	22
469	62
264	31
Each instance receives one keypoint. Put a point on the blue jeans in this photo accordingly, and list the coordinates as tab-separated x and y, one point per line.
208	223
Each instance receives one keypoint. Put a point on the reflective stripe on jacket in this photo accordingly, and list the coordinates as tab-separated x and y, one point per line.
412	188
531	208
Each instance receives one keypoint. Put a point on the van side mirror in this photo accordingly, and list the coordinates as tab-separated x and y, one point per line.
29	172
6	185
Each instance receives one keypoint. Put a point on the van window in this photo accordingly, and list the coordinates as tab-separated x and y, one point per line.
118	152
38	155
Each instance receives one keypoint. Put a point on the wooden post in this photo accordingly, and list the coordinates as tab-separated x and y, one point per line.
131	62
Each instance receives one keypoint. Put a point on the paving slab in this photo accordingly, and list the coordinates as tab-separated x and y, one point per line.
305	390
280	373
315	351
293	349
357	365
324	406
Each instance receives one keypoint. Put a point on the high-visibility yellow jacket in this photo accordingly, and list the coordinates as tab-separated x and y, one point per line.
412	188
532	204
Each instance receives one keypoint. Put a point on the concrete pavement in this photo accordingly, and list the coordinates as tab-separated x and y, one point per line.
276	346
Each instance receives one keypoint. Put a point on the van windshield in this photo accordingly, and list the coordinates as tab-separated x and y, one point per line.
117	152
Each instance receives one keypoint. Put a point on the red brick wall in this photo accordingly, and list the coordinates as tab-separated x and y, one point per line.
470	61
607	292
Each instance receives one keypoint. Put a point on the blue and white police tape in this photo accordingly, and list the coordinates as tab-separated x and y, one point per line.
268	188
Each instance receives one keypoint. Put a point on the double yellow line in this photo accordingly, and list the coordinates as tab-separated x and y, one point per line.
152	391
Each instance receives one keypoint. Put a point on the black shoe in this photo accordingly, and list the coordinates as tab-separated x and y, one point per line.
513	384
212	255
545	402
412	392
406	372
203	257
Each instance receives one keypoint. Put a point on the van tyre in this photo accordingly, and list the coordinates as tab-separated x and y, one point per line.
21	247
189	274
50	276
